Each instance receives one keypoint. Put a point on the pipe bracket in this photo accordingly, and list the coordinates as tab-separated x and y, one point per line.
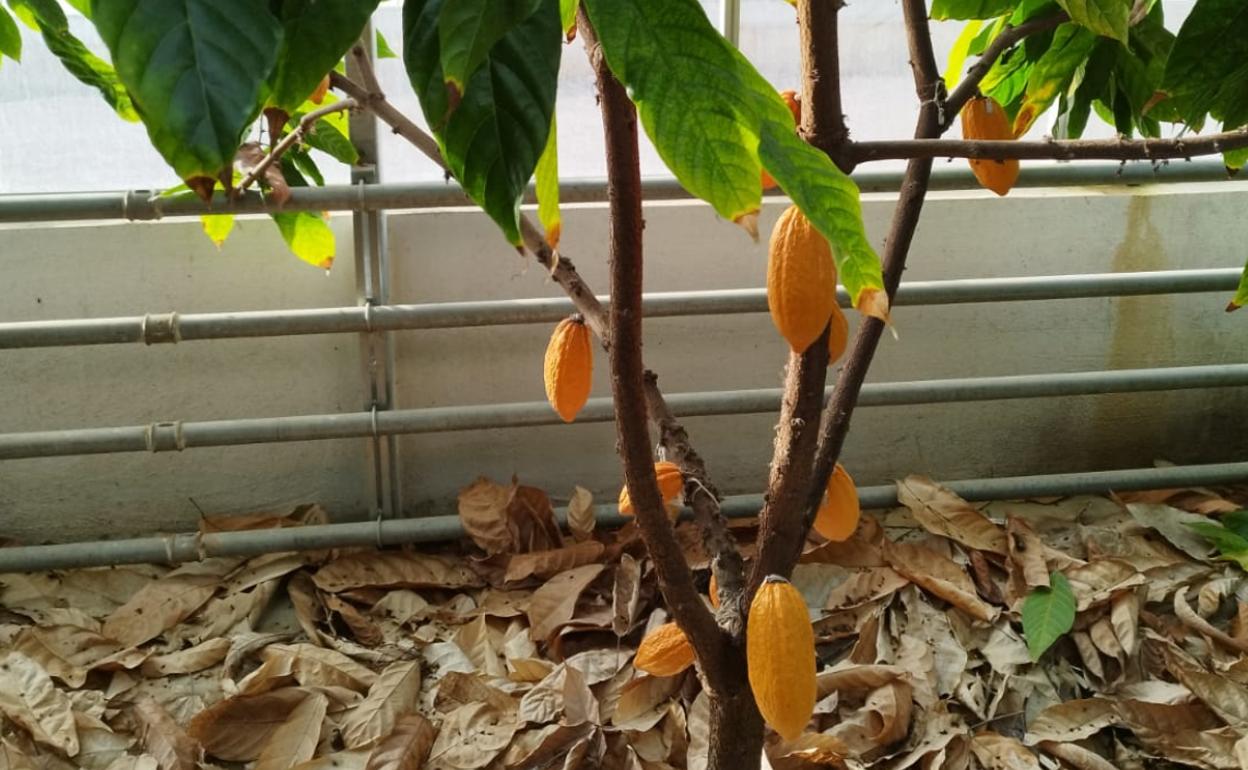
165	437
156	329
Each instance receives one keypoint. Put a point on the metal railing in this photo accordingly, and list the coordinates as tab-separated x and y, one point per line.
374	317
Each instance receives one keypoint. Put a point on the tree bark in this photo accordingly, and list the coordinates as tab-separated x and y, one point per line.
735	726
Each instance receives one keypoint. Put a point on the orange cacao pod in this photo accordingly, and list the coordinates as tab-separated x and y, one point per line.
671	482
838	335
569	367
984	118
712	591
664	652
795	107
801	279
318	95
780	649
838	516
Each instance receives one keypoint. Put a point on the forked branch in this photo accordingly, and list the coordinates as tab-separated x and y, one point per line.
288	141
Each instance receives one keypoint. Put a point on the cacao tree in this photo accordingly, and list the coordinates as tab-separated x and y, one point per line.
201	75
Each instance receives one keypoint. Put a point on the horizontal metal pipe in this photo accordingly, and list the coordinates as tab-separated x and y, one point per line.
176	436
143	205
174	549
175	327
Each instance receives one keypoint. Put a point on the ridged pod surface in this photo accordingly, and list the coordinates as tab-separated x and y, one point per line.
569	367
780	648
801	279
795	107
671	482
984	118
664	652
838	516
838	335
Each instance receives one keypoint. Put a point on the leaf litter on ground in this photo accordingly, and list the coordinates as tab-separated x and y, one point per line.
1084	632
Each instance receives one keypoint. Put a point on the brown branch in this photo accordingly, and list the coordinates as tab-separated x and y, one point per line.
702	496
927	83
628	386
780	530
823	118
290	140
1079	149
1005	40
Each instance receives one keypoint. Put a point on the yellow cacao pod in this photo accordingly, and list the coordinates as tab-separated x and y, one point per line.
569	367
664	652
795	107
838	516
838	335
801	279
984	118
780	649
671	482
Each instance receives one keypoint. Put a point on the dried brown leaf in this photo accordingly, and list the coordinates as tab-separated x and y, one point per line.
541	748
1195	622
554	604
159	606
483	512
544	564
1172	524
1026	551
1124	615
864	586
459	688
643	701
391	696
940	511
999	752
472	736
362	627
581	514
939	576
1072	720
237	729
532	520
13	758
1097	581
394	569
98	745
626	595
295	741
167	742
1223	696
407	747
197	658
1076	756
311	665
354	759
249	156
30	699
69	653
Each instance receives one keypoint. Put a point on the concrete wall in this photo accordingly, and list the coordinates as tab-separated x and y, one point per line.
125	269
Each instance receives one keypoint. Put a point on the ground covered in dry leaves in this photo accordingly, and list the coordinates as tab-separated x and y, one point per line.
514	649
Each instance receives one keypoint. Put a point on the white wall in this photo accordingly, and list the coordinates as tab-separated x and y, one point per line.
126	269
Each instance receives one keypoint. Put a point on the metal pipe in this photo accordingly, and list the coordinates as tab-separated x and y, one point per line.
144	205
176	327
177	436
174	549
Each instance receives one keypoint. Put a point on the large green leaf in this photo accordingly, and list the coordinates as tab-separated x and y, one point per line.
1053	72
1048	613
1104	17
958	54
41	15
469	29
971	9
10	37
90	69
329	133
1208	65
316	35
494	137
195	70
308	236
547	179
716	122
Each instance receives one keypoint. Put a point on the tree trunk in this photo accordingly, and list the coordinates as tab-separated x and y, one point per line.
736	728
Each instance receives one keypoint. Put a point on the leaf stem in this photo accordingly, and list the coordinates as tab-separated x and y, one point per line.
288	141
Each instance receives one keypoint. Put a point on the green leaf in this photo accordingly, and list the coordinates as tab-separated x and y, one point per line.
329	133
81	6
308	236
1090	85
1053	72
716	122
1235	159
1104	17
384	51
1241	294
493	139
316	35
1048	613
469	29
547	174
306	166
217	227
567	15
1227	542
92	70
957	55
10	36
971	9
195	70
1208	65
1237	522
41	14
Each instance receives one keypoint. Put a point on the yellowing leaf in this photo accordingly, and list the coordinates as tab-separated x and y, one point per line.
217	227
308	236
547	179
